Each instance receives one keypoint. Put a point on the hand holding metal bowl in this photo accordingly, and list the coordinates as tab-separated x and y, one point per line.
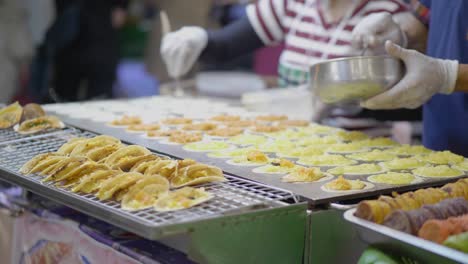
354	78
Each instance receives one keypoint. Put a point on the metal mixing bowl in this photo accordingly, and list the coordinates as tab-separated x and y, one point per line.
354	78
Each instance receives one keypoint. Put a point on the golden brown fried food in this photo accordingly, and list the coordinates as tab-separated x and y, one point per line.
162	133
225	118
127	121
294	123
196	174
39	124
101	153
144	193
91	182
10	115
32	111
267	129
126	157
68	147
46	163
143	165
177	121
226	132
28	166
200	127
271	118
240	123
185	137
84	147
117	183
143	127
182	199
65	168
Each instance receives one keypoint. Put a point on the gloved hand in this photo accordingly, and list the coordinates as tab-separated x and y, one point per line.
374	30
425	76
180	49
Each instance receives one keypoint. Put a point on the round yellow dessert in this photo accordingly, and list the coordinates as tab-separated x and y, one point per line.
303	174
230	153
361	169
394	178
315	140
374	155
301	152
318	129
352	135
277	145
207	146
289	134
345	148
408	150
461	166
403	164
342	185
442	157
441	171
248	139
379	142
326	160
276	166
253	158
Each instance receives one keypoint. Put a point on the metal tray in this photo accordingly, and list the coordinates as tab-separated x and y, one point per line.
232	197
400	243
10	134
309	191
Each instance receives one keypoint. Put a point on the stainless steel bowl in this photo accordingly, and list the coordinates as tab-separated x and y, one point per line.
354	78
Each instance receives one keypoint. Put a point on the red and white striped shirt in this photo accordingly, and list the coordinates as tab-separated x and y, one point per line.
305	31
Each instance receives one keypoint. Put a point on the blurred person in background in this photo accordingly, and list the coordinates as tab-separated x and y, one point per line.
15	46
312	31
80	53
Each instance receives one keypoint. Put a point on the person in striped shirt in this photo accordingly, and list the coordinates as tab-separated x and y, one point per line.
312	31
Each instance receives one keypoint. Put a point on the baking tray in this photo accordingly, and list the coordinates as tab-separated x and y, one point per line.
232	197
309	191
403	244
9	134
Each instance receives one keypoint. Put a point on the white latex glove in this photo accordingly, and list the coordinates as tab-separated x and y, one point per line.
180	49
425	76
374	30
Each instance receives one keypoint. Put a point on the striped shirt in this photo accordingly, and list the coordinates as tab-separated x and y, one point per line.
305	31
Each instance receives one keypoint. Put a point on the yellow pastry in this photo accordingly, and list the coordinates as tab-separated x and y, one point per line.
248	139
437	171
403	164
381	142
253	157
442	157
342	184
352	135
326	160
301	152
374	155
361	169
182	199
395	178
277	166
230	153
345	148
409	150
315	140
461	166
304	174
207	146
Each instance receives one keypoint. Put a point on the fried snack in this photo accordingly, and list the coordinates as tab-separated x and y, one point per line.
67	148
142	165
182	199
237	152
162	133
127	121
185	137
345	148
442	158
439	230
39	124
315	129
240	123
303	174
277	145
226	132
101	153
126	157
268	128
294	123
177	121
326	160
196	174
253	157
403	164
316	140
207	146
64	168
463	166
437	171
342	184
352	135
361	169
118	183
395	178
10	115
77	170
409	150
377	210
93	143
277	166
144	193
32	111
28	166
46	163
374	155
247	139
91	182
225	118
271	118
411	221
143	127
379	142
301	152
200	127
168	168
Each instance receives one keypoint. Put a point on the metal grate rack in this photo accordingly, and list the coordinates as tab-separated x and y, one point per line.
10	134
234	195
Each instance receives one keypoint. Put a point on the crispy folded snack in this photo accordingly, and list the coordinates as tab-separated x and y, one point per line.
185	137
101	153
38	124
117	183
144	193
28	166
303	174
71	144
10	115
91	182
84	169
143	127
142	165
182	198
196	174
169	168
200	127
126	157
377	210
65	168
46	163
93	143
31	111
226	132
